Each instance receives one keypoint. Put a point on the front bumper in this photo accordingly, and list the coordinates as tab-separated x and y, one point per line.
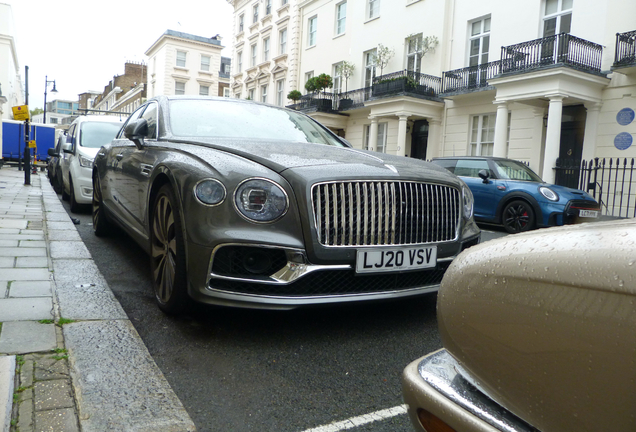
265	276
433	383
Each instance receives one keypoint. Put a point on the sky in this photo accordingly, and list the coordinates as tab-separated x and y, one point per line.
82	44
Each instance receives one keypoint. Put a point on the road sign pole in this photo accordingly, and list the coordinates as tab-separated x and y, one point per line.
27	130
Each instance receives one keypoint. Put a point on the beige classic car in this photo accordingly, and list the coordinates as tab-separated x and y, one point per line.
539	334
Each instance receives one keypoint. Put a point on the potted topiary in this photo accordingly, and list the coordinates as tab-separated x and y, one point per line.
346	70
294	96
317	84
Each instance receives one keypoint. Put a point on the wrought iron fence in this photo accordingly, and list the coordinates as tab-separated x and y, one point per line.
612	182
353	98
625	53
469	78
558	49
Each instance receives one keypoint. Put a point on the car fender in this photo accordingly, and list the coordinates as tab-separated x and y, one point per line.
522	196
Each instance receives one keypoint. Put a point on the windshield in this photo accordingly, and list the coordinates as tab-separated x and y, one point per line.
513	170
228	119
96	134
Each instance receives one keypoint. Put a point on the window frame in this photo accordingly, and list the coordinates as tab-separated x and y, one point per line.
176	90
184	59
255	13
312	31
383	128
264	93
280	92
557	17
266	49
282	41
241	23
239	60
476	146
253	60
341	21
372	9
203	56
201	87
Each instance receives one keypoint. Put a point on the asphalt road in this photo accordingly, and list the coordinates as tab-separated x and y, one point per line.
245	370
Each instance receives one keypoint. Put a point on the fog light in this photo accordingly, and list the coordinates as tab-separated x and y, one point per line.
257	262
431	423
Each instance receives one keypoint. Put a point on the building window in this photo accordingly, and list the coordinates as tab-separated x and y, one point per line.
53	120
312	29
226	92
266	49
282	41
179	88
181	58
268	7
337	78
237	95
373	8
308	76
264	93
227	68
204	90
482	135
253	62
414	53
205	63
558	17
280	92
381	146
341	17
283	2
479	42
255	12
250	94
241	24
369	67
239	61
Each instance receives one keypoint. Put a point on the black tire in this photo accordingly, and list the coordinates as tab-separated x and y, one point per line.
57	182
65	196
518	216
167	253
101	225
75	207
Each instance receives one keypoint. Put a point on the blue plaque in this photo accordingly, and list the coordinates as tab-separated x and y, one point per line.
625	116
623	141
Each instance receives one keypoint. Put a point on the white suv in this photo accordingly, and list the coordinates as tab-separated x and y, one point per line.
84	138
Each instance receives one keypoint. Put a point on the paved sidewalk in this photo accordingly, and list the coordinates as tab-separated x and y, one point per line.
70	360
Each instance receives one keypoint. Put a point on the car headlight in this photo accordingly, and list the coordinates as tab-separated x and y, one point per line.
210	192
85	161
260	200
549	193
467	202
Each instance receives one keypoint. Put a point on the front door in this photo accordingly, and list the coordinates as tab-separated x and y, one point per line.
571	148
419	139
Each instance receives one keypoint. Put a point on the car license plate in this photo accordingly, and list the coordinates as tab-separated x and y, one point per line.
588	213
390	260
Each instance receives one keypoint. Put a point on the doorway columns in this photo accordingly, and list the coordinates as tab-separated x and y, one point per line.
552	136
591	129
373	134
434	132
401	137
501	130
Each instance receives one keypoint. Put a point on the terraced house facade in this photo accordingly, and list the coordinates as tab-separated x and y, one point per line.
548	82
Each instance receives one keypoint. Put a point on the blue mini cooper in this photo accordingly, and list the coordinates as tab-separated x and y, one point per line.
509	193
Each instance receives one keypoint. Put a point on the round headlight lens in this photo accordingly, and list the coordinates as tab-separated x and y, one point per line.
549	193
467	201
260	200
210	192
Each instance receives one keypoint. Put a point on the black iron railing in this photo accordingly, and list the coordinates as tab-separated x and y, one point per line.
612	182
561	49
323	101
625	53
353	98
406	81
469	78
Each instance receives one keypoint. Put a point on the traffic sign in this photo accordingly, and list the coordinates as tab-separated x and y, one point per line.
20	112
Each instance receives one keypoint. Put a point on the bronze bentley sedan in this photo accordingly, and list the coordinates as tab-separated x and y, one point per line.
538	334
244	204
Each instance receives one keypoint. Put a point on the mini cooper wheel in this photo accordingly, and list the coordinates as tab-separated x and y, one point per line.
518	216
167	253
101	225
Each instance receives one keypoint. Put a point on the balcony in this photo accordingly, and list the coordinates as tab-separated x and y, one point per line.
625	54
562	50
470	78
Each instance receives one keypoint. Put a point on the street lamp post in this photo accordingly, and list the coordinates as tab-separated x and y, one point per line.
46	87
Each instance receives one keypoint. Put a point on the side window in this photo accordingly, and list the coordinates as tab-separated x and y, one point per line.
449	164
150	115
134	116
470	168
70	136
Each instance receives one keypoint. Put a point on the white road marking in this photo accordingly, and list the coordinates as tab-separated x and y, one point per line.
354	422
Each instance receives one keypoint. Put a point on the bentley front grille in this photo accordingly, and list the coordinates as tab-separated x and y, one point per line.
378	213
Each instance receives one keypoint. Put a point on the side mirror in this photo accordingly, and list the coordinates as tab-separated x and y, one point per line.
52	153
67	147
136	131
484	175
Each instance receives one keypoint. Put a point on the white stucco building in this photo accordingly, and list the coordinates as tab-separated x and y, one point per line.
184	64
265	50
534	81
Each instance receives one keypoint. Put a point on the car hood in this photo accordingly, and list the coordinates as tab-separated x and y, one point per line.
313	160
543	323
570	193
